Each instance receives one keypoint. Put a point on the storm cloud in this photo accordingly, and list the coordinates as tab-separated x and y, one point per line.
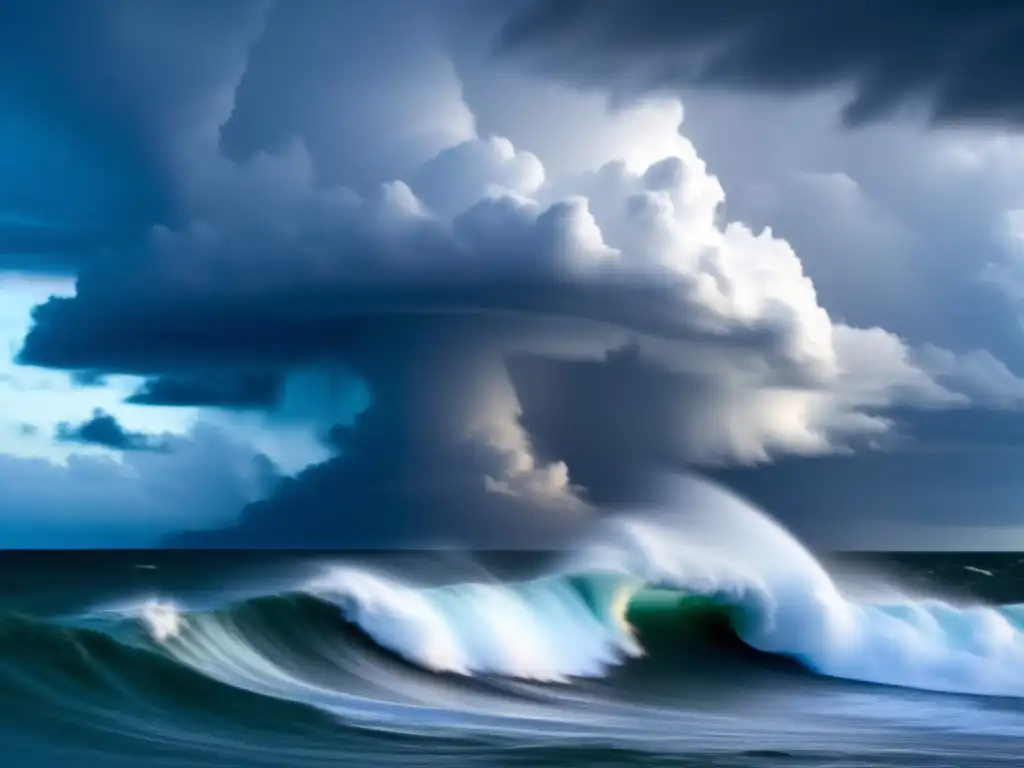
242	391
106	431
539	317
950	62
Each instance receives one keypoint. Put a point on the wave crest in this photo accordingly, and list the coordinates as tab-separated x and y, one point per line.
550	629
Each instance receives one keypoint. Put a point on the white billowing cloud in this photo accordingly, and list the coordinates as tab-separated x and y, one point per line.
666	218
901	226
879	370
458	177
572	132
980	376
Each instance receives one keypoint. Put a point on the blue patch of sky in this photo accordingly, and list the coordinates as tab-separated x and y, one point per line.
33	401
41	399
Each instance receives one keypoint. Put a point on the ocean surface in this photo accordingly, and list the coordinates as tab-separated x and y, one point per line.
660	642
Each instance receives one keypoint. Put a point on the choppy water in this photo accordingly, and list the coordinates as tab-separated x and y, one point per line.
707	638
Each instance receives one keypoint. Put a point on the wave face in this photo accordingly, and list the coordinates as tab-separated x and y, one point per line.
708	591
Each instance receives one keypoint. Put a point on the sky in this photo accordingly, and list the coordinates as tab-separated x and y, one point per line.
436	272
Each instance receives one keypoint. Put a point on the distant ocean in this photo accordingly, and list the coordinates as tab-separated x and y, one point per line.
637	652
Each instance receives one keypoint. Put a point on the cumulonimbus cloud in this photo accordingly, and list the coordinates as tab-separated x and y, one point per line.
427	285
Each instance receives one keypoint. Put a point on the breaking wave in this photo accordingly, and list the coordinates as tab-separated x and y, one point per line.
729	589
723	557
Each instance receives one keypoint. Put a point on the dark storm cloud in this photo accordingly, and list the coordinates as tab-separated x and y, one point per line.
159	333
77	177
417	114
412	471
569	413
958	61
254	391
38	249
932	468
106	431
88	378
286	242
273	271
395	487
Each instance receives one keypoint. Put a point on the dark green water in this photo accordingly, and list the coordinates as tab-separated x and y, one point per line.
141	659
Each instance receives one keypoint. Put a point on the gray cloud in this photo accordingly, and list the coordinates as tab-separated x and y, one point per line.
106	431
291	242
418	114
591	279
957	468
957	63
252	391
88	378
87	143
203	478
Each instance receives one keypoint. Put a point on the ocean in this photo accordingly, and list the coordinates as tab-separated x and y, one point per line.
644	648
